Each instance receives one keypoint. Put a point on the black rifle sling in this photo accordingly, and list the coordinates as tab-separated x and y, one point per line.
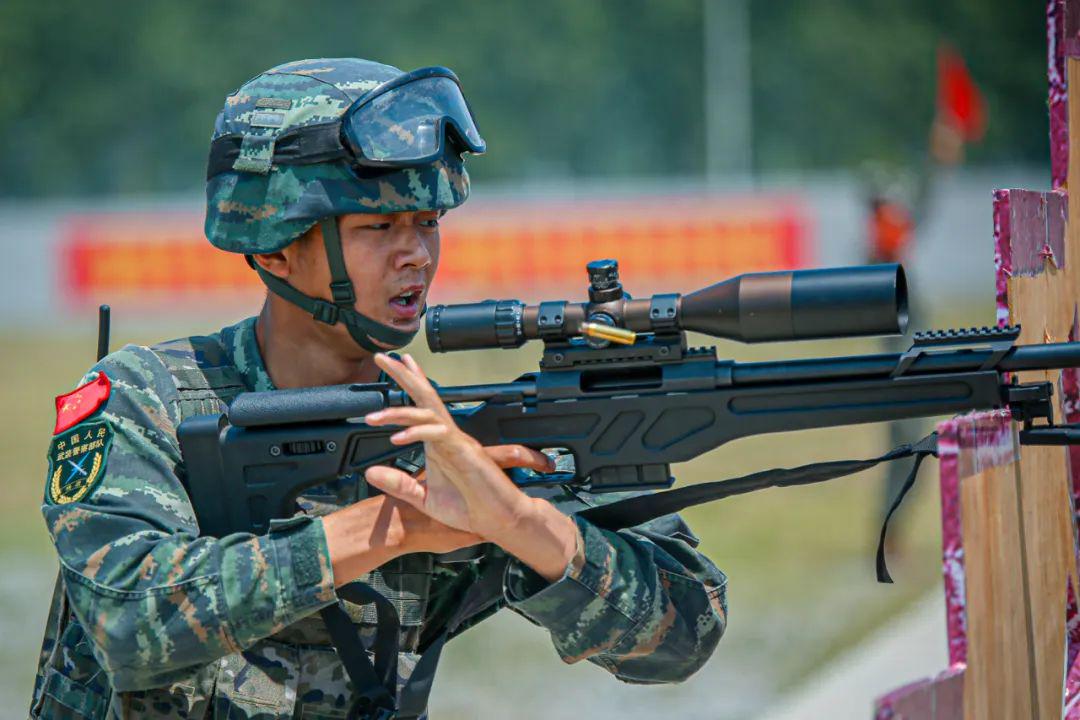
486	591
640	509
883	575
374	684
385	645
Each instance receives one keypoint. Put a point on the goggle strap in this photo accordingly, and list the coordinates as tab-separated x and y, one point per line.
303	146
322	142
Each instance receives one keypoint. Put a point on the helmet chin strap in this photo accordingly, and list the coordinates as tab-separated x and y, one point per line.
362	329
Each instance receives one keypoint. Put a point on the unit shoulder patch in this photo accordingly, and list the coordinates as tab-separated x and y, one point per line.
77	461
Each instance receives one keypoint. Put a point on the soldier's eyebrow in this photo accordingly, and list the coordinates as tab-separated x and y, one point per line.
368	220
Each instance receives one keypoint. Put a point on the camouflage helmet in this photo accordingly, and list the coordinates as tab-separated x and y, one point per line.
310	140
256	203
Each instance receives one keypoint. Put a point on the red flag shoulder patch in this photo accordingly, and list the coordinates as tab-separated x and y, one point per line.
81	403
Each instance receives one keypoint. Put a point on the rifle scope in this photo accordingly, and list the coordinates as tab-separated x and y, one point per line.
754	307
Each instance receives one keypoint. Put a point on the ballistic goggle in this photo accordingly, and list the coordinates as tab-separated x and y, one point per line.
404	122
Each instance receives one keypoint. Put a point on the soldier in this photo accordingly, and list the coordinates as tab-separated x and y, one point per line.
330	176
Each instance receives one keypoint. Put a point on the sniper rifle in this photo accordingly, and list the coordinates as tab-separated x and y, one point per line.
621	393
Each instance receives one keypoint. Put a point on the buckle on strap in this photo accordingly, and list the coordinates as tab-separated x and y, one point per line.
342	292
365	709
325	312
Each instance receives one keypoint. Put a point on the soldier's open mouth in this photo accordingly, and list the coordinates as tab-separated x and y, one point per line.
406	305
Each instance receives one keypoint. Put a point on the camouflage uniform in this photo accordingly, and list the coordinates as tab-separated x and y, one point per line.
181	624
152	621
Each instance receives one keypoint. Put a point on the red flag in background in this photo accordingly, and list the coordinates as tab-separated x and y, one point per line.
960	105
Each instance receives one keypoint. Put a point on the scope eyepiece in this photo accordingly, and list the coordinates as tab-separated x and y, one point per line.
488	324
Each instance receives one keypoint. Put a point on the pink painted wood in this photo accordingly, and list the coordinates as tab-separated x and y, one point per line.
1029	229
937	698
967	445
1056	49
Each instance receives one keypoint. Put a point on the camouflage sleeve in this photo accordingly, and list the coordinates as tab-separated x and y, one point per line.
155	598
644	604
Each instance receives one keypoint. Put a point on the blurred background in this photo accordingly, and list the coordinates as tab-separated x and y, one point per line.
690	139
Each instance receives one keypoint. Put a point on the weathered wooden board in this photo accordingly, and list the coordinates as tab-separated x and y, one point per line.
999	680
1040	296
1009	519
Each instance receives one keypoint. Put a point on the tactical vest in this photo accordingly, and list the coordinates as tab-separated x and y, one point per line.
397	596
391	599
402	585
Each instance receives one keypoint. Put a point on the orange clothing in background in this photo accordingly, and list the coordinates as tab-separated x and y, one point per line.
889	233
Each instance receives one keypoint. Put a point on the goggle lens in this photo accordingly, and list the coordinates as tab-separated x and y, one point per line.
409	123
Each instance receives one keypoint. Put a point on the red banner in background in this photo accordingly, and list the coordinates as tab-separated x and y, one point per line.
532	250
151	259
667	244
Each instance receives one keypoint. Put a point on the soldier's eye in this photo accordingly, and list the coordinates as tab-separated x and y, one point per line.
377	226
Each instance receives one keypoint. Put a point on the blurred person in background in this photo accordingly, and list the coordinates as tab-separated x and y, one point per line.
890	229
330	176
889	238
898	204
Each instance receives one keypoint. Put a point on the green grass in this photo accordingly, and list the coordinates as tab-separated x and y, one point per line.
799	560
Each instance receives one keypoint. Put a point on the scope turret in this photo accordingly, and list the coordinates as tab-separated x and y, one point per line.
753	307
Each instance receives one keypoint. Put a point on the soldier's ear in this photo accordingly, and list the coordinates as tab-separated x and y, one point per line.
276	263
304	252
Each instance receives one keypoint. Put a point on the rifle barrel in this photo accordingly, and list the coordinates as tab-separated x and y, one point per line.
1025	357
1042	357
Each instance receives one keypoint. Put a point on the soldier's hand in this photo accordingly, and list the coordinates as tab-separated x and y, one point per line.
362	536
386	524
463	485
423	533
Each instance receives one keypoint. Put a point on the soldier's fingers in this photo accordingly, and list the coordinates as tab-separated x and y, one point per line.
411	379
420	433
423	385
398	371
519	456
402	416
398	484
410	362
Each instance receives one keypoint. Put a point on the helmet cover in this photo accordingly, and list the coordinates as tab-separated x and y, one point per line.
260	207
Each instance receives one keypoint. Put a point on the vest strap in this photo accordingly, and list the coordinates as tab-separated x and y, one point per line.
374	683
484	593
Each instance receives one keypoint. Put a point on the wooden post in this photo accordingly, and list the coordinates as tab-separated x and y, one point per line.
1010	539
